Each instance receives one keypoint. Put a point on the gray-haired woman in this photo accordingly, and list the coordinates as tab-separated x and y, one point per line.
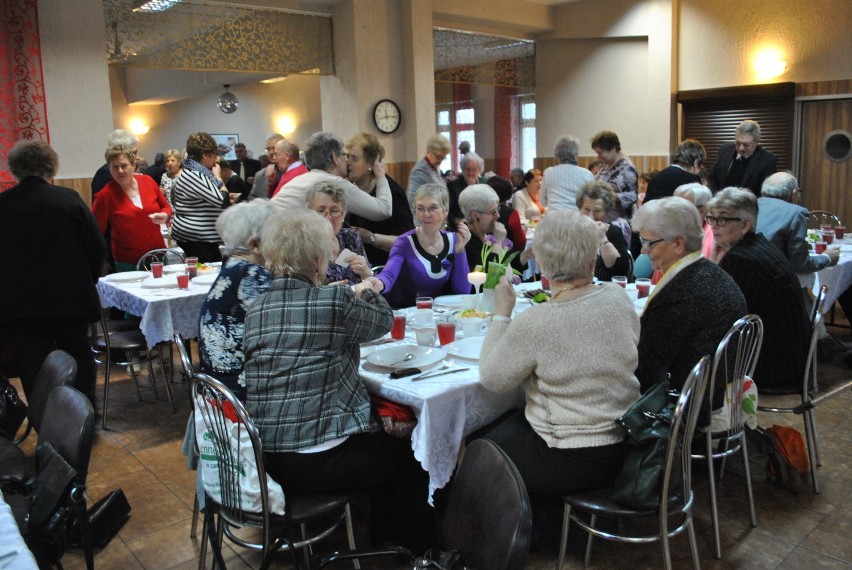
560	183
595	200
694	303
479	206
566	439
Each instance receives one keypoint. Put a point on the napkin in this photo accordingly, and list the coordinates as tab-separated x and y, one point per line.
344	255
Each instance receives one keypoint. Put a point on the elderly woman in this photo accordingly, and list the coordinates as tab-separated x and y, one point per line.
769	285
426	261
304	394
329	200
699	195
478	204
576	374
509	216
173	166
595	201
618	171
242	280
527	200
692	306
132	208
472	166
362	152
560	183
198	197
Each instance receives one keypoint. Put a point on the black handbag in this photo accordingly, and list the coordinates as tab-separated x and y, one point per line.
648	429
106	517
12	409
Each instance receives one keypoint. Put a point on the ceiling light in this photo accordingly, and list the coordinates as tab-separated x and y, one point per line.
154	5
227	101
274	79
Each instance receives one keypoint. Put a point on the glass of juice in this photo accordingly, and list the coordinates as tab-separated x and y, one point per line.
192	266
446	333
398	330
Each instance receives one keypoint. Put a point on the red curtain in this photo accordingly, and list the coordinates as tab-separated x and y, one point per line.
23	114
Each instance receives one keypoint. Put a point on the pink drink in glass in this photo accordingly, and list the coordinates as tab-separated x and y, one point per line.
157	269
446	333
839	232
398	330
192	266
183	280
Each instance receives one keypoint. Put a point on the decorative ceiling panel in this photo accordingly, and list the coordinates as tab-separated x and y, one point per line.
465	57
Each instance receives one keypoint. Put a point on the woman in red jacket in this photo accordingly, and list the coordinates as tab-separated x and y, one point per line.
132	207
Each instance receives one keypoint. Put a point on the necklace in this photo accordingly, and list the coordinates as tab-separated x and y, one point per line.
568	287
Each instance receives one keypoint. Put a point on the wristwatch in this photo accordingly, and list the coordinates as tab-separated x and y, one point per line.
372	238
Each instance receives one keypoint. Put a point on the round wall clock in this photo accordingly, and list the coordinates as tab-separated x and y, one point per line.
386	116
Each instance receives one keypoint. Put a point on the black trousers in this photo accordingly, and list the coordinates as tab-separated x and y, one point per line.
379	464
31	340
551	471
205	251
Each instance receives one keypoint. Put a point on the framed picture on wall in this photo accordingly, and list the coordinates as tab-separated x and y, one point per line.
226	144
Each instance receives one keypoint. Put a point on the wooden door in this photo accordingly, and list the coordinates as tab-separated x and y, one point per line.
826	184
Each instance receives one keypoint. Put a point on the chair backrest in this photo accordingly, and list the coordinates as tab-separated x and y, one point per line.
185	359
735	359
214	402
165	254
630	264
488	516
69	426
58	369
679	450
817	218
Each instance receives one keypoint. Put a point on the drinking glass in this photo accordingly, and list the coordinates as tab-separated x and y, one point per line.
183	280
157	269
192	266
643	285
621	280
446	333
398	330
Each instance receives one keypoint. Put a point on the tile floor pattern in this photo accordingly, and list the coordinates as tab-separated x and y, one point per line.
141	454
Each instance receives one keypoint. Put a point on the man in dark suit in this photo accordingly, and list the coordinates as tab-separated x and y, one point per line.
743	163
244	167
50	260
688	157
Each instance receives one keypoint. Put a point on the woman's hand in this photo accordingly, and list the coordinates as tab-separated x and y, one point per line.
159	218
504	298
336	283
363	233
602	229
360	288
374	284
378	169
462	237
359	265
499	234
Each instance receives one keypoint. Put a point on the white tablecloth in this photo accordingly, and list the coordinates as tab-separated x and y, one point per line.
837	278
163	311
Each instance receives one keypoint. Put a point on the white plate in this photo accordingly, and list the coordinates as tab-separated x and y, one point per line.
423	356
467	347
169	282
207	278
450	301
126	276
174	268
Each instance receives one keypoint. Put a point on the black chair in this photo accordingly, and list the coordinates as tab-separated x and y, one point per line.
487	518
58	369
124	348
676	498
735	360
69	426
210	400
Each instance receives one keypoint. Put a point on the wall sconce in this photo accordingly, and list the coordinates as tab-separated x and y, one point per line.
769	63
285	125
138	127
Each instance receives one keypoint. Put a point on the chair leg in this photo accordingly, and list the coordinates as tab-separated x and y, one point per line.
152	377
664	541
106	392
810	440
135	381
82	517
194	527
714	508
693	544
811	417
587	561
350	533
744	453
306	550
202	558
563	544
166	382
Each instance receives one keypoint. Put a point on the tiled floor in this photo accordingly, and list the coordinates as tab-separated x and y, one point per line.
141	454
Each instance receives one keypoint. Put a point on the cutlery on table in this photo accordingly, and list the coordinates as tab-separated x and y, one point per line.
436	374
408	357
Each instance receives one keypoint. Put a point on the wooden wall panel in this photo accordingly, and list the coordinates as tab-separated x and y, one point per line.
815	88
642	163
399	171
83	187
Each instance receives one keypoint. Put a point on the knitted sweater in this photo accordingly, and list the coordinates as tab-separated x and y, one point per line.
575	362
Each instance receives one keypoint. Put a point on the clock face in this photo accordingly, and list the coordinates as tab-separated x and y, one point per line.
386	115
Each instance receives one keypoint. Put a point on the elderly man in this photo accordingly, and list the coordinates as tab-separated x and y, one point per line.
244	167
742	163
260	186
426	169
560	183
289	163
688	157
324	157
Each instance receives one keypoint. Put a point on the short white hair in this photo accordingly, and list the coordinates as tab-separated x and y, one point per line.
479	197
669	218
242	222
292	241
698	193
566	245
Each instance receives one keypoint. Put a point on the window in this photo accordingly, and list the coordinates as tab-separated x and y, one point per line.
456	122
526	126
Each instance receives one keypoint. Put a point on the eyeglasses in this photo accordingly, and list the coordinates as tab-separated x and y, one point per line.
494	212
649	244
351	157
329	213
720	221
431	210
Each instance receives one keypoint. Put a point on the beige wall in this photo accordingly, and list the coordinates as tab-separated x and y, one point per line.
719	39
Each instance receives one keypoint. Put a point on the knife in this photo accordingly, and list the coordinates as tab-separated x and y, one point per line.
436	374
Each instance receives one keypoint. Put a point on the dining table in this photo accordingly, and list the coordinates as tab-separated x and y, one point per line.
836	278
163	306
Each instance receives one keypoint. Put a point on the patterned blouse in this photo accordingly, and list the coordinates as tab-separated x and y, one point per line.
222	324
624	179
349	239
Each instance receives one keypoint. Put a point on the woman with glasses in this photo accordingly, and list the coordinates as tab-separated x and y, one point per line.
595	200
770	287
426	261
329	200
694	303
479	206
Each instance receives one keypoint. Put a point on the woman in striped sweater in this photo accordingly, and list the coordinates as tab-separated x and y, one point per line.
198	197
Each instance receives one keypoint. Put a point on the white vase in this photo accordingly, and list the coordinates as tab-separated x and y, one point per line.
486	302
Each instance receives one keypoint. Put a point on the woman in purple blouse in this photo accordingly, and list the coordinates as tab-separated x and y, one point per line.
427	261
329	200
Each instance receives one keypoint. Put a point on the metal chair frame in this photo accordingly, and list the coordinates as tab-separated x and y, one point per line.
209	396
824	217
186	363
167	255
735	359
684	419
810	397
